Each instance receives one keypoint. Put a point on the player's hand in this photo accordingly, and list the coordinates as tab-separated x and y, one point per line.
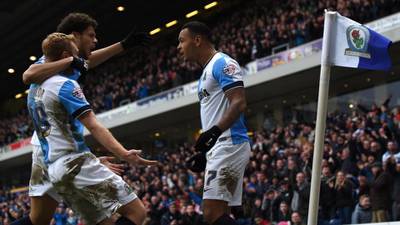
80	64
134	39
197	163
107	161
208	139
133	157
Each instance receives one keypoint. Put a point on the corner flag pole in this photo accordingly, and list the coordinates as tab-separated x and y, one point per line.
321	119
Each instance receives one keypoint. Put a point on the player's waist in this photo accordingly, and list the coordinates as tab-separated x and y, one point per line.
233	138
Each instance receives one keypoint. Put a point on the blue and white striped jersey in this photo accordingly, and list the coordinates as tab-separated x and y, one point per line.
74	76
221	74
54	107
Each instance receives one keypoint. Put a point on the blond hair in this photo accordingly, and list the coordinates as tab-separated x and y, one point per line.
55	44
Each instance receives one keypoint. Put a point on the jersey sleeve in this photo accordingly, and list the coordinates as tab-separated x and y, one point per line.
227	73
40	60
73	99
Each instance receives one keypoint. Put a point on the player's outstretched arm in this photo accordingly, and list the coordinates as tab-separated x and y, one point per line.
104	137
133	39
39	72
101	55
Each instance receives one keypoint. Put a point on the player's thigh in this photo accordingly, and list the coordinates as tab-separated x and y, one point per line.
213	209
42	209
106	221
134	211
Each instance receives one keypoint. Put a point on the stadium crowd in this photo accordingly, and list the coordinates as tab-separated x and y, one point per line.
246	34
360	176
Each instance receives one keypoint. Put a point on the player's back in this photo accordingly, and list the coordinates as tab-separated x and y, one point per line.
54	106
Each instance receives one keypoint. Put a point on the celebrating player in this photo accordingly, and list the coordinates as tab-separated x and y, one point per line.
224	148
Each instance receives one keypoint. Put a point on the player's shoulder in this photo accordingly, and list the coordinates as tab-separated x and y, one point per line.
57	82
223	63
41	60
222	59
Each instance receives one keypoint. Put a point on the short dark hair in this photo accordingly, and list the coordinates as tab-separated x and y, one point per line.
76	22
198	28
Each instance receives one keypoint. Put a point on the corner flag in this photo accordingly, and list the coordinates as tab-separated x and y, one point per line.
349	44
355	45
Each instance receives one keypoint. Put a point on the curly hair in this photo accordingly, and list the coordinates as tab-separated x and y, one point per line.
76	22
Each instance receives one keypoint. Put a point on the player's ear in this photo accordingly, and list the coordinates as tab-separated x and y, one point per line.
65	54
197	40
77	37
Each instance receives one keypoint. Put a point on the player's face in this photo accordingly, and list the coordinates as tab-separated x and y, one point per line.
86	41
186	46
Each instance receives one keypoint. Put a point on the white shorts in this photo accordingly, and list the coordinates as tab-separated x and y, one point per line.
225	168
39	183
88	187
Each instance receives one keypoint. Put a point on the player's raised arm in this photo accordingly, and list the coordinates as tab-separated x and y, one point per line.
41	70
133	39
104	137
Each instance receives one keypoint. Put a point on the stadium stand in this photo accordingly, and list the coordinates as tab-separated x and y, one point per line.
361	160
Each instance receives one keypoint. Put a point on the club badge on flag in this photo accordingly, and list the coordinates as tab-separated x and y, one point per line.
357	39
355	45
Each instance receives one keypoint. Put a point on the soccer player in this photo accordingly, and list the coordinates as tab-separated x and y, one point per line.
59	110
224	148
43	197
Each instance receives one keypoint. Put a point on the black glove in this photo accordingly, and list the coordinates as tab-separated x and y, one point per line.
207	139
197	163
80	64
134	39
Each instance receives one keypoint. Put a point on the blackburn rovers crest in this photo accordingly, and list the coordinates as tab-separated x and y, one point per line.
357	39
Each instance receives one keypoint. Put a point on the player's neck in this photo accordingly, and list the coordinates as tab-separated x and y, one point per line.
207	55
68	71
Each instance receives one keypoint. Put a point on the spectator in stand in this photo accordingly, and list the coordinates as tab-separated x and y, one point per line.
191	217
284	212
301	195
60	216
172	216
296	219
363	211
343	197
381	190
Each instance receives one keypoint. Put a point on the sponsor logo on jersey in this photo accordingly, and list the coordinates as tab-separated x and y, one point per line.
78	93
229	69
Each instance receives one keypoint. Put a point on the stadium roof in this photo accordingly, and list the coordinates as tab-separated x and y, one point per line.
24	24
